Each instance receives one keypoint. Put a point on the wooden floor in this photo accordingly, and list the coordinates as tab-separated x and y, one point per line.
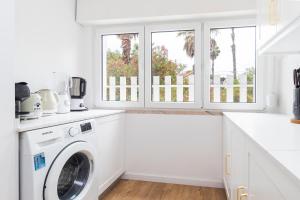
140	190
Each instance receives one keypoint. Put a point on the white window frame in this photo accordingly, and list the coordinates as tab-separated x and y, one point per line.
258	105
198	63
99	71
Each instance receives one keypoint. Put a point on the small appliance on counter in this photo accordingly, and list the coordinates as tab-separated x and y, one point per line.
49	101
22	92
62	83
296	102
31	108
78	91
64	104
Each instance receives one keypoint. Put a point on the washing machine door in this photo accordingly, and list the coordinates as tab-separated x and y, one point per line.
71	174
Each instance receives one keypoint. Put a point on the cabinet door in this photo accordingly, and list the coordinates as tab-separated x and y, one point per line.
289	11
260	185
268	179
227	156
110	134
239	161
267	19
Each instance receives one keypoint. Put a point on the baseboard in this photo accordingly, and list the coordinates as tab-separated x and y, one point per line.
173	180
109	182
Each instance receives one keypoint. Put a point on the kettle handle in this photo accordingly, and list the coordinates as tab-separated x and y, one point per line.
82	87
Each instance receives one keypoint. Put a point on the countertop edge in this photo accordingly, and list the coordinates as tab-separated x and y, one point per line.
42	124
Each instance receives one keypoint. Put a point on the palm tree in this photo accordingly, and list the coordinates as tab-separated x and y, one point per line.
233	49
214	53
189	47
126	46
189	44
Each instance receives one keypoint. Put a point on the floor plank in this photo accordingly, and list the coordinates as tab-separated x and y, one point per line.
141	190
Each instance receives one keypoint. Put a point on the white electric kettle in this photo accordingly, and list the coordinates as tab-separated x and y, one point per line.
49	101
64	104
31	108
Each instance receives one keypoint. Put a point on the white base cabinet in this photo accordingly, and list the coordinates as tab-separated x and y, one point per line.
235	156
250	173
110	149
260	184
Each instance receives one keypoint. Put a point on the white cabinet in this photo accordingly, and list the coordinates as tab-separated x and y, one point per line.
252	173
260	185
235	160
239	167
289	11
110	149
278	26
227	157
266	22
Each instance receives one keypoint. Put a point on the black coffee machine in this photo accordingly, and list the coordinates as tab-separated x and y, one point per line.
22	92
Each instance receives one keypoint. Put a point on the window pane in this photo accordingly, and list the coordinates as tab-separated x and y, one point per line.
232	65
120	67
172	66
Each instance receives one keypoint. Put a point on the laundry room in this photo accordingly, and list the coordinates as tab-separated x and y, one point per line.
150	100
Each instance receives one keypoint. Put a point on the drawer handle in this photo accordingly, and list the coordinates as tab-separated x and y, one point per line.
244	196
240	189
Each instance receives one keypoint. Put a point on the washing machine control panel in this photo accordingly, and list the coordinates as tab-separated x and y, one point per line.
78	128
86	127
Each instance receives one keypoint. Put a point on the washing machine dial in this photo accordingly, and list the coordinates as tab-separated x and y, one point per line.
73	131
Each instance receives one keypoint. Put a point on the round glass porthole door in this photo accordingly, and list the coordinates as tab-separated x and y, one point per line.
73	176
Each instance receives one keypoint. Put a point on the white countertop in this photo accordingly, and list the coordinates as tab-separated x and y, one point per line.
63	119
275	134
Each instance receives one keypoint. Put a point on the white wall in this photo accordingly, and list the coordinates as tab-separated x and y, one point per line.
8	138
185	149
286	86
95	10
48	40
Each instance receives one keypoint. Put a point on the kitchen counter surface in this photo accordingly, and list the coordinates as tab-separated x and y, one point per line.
275	134
57	119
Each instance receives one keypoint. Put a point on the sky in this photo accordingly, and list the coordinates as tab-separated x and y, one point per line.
245	48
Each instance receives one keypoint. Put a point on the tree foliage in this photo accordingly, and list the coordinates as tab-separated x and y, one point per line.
117	67
162	66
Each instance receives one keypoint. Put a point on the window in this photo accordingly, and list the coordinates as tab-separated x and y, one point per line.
172	66
121	64
186	65
173	61
120	67
231	66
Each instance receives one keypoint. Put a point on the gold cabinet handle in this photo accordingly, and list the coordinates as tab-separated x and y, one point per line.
244	196
227	171
240	189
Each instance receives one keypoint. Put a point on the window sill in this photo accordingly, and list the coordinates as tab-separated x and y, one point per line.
162	111
173	112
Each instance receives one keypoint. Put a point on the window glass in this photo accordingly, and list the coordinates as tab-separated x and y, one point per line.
120	66
232	65
172	66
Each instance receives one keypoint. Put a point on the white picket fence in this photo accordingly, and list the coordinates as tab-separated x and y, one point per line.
228	84
112	89
156	86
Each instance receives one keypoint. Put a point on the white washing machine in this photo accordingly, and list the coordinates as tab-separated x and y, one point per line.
59	162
